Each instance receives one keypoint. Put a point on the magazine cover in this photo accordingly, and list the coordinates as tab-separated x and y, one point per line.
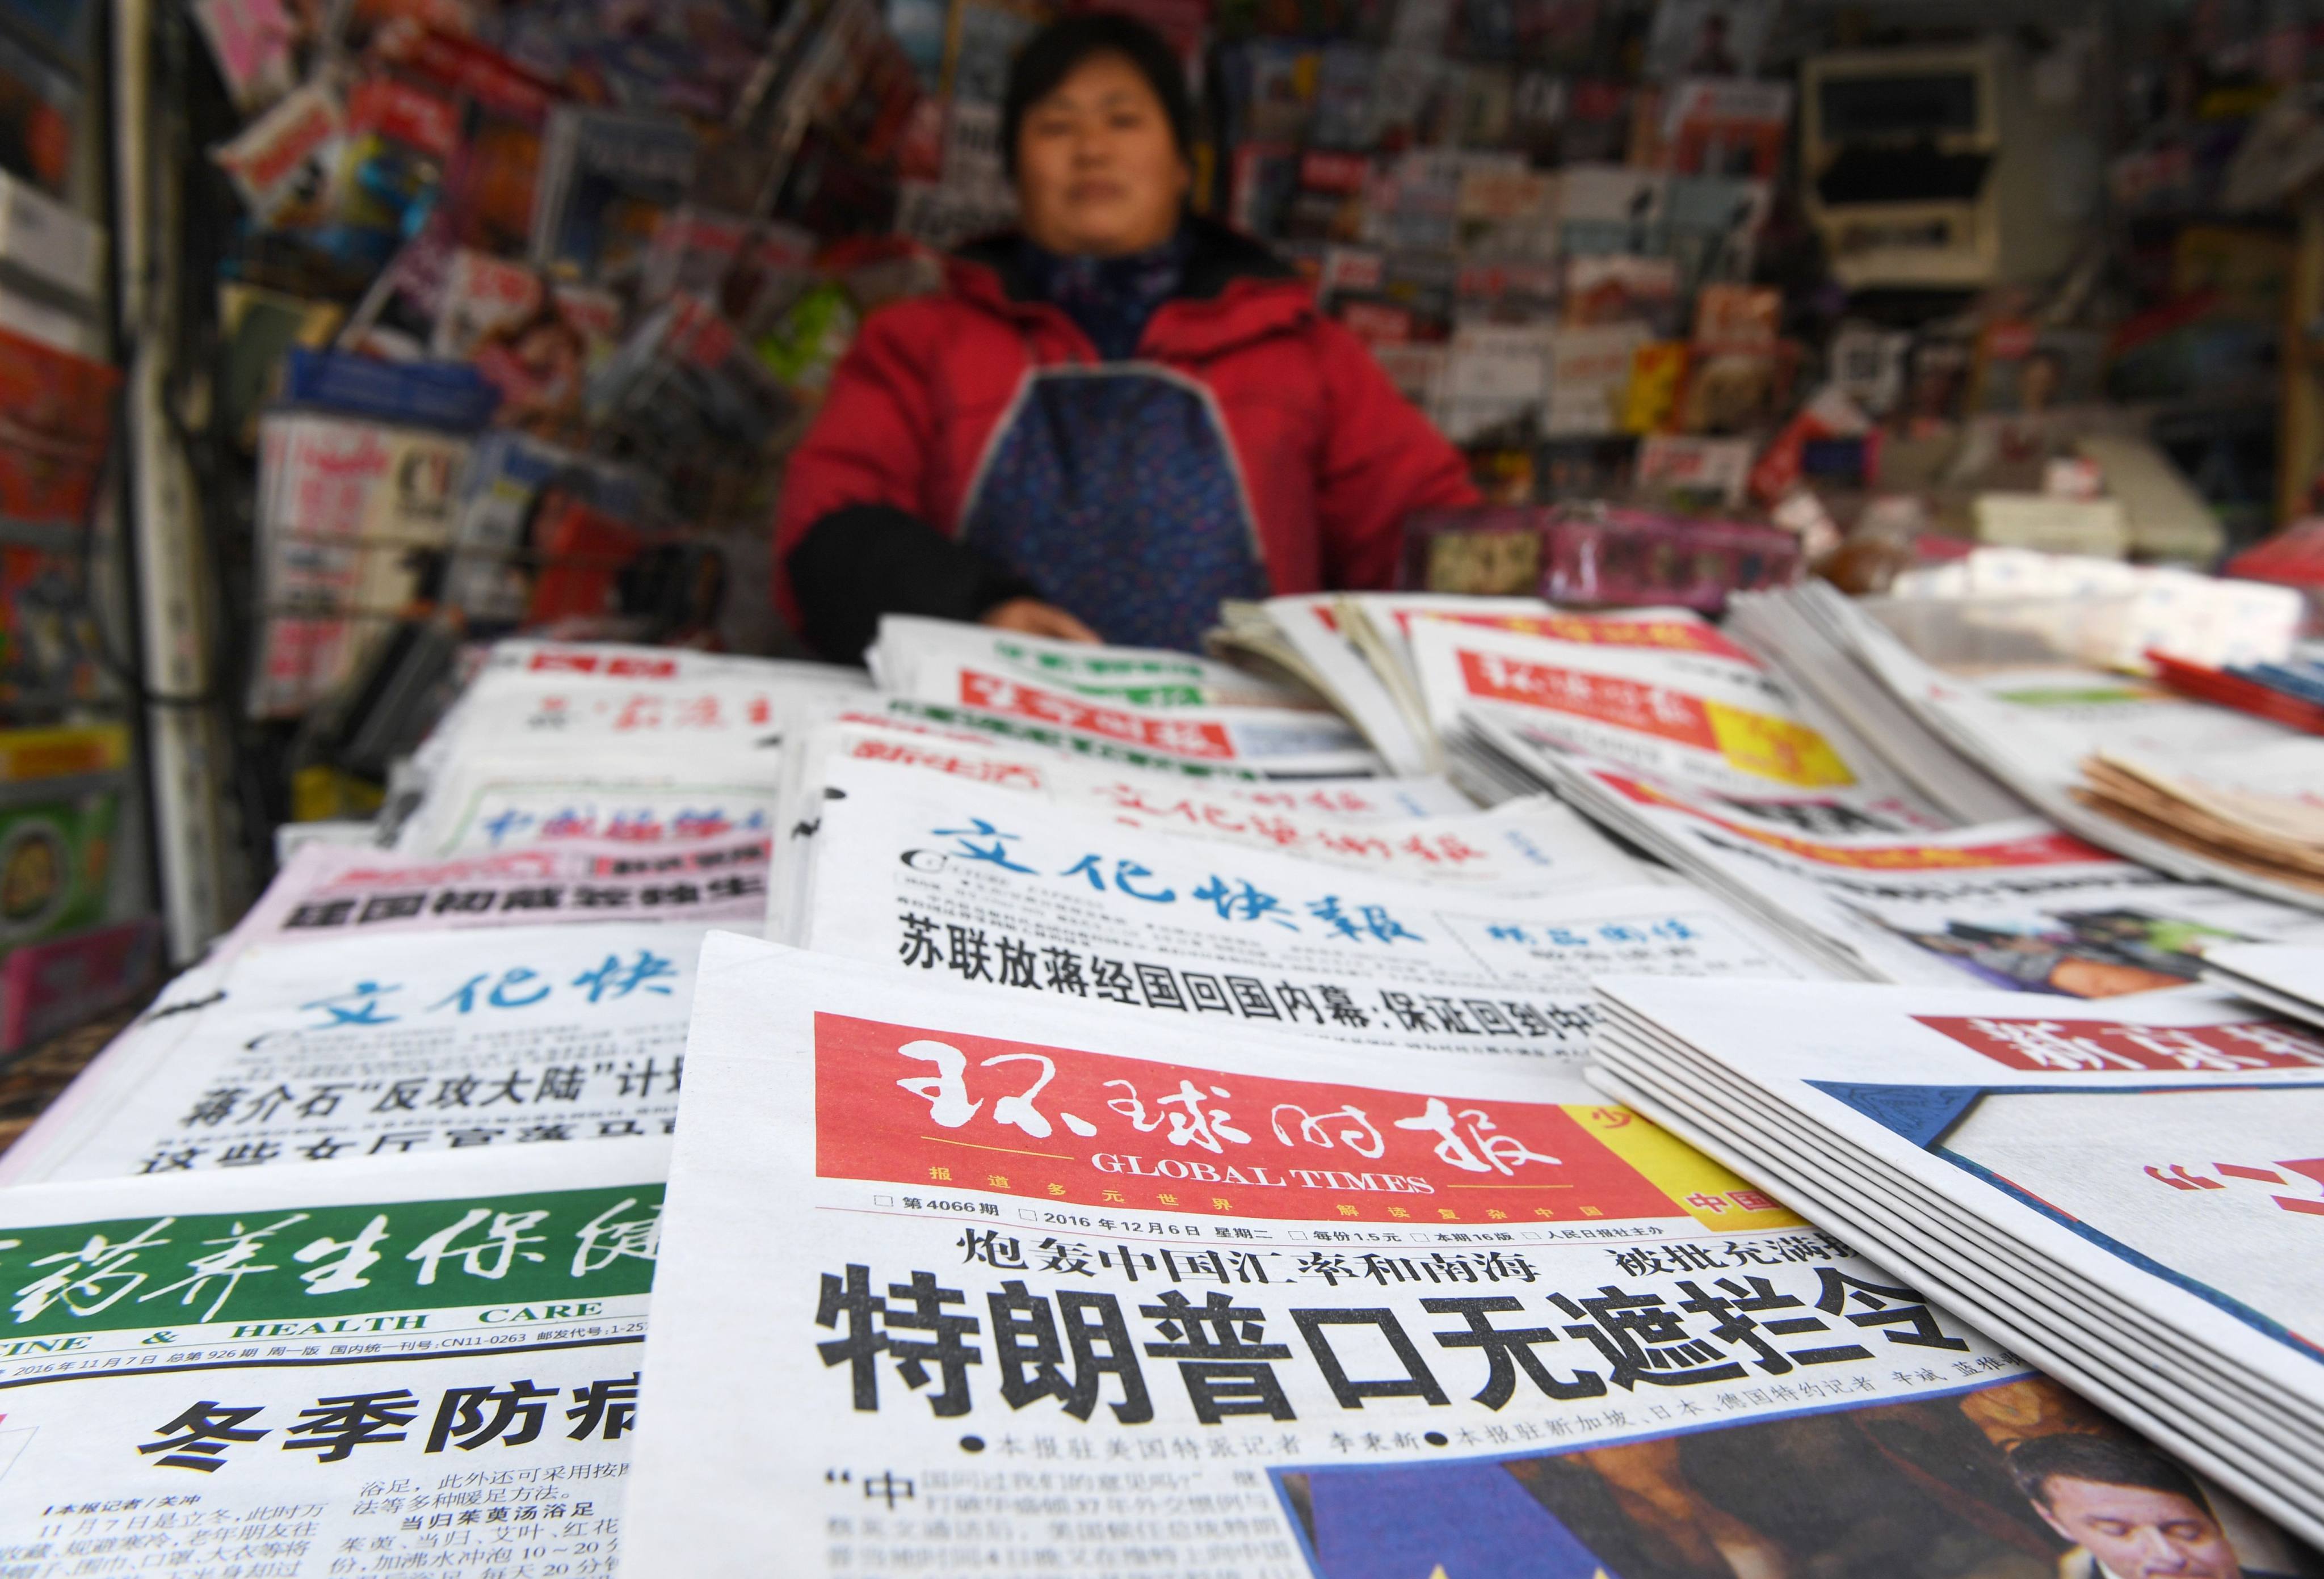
606	179
40	116
56	418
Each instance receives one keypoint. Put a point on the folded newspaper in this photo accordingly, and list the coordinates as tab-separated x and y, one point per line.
558	742
419	1044
649	800
1659	693
369	1369
1334	818
1438	837
2126	1195
1034	1291
346	891
610	700
2282	976
1347	647
936	877
1169	707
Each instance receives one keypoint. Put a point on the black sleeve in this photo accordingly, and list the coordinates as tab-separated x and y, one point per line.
861	561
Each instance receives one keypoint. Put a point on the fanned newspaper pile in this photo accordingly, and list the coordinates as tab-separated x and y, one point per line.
2198	791
1665	731
1352	649
2126	1194
1174	1158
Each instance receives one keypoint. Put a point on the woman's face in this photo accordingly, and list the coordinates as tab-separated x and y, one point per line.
1098	171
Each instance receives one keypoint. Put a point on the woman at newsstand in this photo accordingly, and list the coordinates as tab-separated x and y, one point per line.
1110	418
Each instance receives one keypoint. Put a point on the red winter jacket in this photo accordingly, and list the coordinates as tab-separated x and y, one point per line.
1331	456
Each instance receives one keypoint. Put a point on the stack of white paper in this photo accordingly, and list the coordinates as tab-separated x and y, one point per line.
2110	614
2126	1194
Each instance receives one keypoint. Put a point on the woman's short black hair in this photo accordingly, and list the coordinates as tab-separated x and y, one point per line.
1050	56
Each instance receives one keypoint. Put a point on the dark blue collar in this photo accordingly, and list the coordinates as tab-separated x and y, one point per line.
1111	298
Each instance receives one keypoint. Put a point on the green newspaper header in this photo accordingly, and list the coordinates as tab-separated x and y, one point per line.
320	1264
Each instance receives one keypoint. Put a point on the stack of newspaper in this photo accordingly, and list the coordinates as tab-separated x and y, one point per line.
552	743
2186	787
1100	1195
338	1259
2258	812
1473	934
2285	978
1145	706
2125	1195
1417	828
1670	734
1353	650
1805	634
515	971
1660	691
1060	1292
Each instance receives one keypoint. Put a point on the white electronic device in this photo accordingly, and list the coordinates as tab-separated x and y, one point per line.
1934	166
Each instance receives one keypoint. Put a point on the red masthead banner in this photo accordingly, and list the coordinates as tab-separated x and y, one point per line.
2096	1047
934	1108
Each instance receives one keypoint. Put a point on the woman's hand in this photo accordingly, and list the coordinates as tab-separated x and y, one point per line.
1032	617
